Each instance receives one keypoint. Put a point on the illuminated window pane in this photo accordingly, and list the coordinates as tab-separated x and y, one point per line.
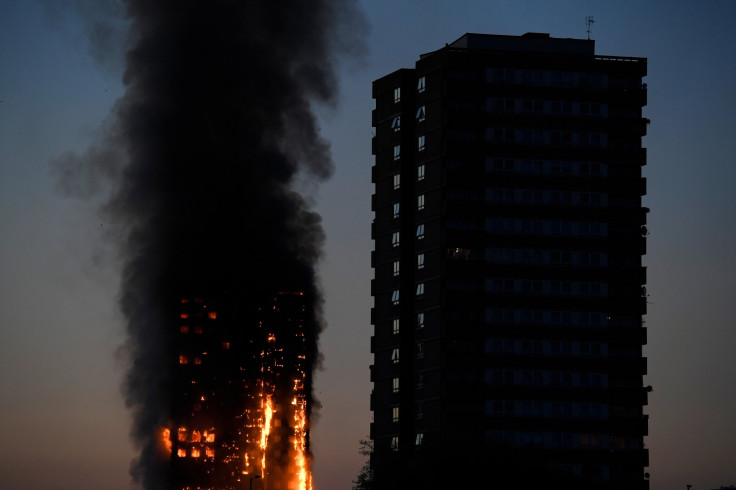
195	452
395	297
395	326
420	172
397	94
421	84
181	452
397	181
198	330
395	385
397	153
226	345
212	315
184	329
184	315
183	359
396	267
395	443
395	356
420	261
395	239
395	414
420	202
196	436
210	452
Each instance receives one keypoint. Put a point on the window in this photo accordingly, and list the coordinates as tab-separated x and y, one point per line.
395	443
396	210
420	261
420	410
421	84
420	436
420	143
396	267
394	414
396	123
420	320
421	113
420	172
397	181
395	239
395	326
395	356
397	152
397	94
420	350
420	289
395	297
420	202
420	232
395	385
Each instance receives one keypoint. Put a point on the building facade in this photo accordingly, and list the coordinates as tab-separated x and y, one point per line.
239	415
508	242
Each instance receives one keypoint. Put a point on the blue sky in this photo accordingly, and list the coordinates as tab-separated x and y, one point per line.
63	420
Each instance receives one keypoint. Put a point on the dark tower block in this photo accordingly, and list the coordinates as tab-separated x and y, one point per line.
508	241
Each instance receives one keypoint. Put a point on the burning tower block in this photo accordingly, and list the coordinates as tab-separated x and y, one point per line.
241	400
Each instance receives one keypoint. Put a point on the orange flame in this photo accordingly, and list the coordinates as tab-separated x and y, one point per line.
166	436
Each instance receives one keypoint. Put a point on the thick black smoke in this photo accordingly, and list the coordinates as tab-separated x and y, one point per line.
215	127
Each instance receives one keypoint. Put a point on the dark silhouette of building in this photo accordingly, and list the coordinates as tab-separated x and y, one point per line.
509	233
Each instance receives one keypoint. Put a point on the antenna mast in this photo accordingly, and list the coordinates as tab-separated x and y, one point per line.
588	22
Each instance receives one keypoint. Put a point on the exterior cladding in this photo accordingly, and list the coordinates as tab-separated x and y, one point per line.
508	234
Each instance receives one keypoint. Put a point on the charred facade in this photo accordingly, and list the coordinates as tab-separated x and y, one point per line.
239	411
509	233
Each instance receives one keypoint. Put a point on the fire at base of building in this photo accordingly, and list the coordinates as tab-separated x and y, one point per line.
240	408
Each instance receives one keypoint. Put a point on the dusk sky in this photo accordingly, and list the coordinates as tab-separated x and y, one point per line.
62	417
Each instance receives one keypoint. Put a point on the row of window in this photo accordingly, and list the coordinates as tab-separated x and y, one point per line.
545	167
546	227
546	287
418	440
557	107
396	236
546	137
545	378
529	408
552	257
397	264
396	323
553	439
397	155
546	317
546	347
419	353
196	452
420	205
530	196
548	78
421	87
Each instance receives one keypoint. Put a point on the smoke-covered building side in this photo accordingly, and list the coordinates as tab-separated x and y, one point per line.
208	158
239	411
508	292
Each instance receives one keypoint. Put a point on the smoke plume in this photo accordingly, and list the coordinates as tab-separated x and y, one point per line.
205	146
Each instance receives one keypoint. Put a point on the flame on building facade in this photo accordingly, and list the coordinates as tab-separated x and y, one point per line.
240	416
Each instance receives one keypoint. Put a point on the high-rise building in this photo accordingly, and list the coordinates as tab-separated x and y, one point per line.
241	389
509	287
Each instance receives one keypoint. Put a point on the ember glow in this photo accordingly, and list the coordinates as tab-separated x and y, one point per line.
244	410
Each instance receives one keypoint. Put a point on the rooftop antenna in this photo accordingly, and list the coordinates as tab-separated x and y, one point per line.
588	22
